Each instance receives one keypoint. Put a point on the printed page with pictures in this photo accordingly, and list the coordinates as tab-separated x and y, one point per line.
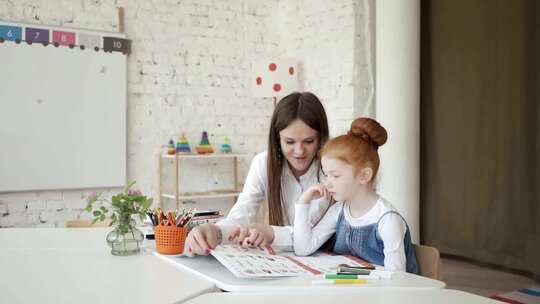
323	262
245	262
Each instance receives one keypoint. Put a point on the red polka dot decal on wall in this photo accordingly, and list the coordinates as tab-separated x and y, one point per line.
274	78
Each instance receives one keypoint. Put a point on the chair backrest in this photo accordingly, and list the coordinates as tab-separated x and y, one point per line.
86	224
429	261
265	214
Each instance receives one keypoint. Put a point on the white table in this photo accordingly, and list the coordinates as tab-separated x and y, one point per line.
75	266
440	296
53	238
209	268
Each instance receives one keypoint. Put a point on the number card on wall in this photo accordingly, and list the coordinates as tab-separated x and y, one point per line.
62	108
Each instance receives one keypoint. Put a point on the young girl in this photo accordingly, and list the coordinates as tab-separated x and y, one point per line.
365	225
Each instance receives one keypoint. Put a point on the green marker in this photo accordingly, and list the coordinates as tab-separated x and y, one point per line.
340	276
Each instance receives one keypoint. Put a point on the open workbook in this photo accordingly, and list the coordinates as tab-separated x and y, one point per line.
245	262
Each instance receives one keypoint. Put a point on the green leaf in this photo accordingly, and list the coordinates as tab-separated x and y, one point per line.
96	213
146	203
128	186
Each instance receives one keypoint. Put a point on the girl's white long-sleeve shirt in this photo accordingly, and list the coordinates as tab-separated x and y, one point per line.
249	208
308	238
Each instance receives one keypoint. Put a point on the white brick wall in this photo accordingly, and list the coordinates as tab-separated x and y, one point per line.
333	40
189	71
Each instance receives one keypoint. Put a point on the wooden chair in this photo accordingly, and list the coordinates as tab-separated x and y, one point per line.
265	214
86	224
429	261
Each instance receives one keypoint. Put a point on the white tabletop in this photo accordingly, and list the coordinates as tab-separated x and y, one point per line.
75	266
53	238
441	296
209	268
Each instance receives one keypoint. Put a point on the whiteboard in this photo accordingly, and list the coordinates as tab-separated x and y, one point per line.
62	117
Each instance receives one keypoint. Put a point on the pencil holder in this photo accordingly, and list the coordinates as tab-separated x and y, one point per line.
170	239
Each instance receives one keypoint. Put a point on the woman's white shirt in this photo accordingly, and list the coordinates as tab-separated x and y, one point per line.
249	208
392	229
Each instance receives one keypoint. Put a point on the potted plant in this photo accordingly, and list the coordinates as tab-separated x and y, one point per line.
125	238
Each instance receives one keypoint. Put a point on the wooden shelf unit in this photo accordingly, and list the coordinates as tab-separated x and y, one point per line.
179	196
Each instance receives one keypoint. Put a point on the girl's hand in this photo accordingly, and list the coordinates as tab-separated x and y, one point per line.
254	236
315	192
202	239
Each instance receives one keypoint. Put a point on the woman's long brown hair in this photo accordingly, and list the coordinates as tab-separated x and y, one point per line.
307	108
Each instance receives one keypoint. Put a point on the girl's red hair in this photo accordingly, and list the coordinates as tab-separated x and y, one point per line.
359	146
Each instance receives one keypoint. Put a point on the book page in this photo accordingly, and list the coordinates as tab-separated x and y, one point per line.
245	262
326	263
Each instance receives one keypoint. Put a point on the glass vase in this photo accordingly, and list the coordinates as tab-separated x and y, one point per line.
125	238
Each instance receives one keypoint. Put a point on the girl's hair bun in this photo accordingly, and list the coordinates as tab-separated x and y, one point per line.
369	130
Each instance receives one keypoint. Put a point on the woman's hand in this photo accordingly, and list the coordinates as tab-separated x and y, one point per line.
315	192
202	239
254	236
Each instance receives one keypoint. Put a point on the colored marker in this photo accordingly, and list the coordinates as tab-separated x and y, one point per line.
340	281
340	276
370	267
354	270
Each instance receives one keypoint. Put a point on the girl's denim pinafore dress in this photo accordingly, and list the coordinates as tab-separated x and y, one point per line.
365	242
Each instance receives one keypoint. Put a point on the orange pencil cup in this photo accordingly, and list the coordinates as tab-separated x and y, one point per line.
170	239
